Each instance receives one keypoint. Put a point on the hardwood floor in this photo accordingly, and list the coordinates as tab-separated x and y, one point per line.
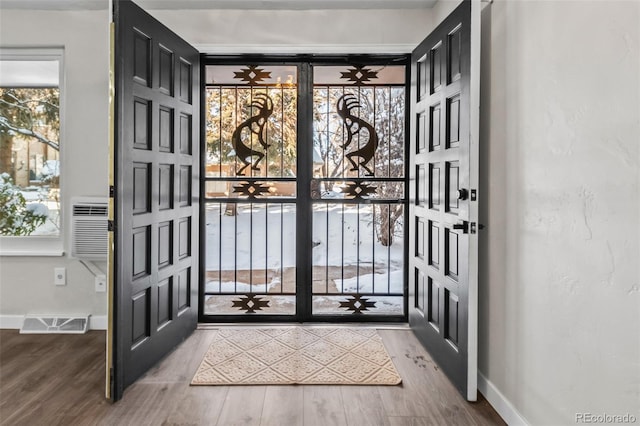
59	380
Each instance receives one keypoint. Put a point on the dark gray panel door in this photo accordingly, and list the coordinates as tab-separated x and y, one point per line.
442	285
156	186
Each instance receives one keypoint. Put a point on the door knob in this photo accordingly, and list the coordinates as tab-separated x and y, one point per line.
464	226
462	194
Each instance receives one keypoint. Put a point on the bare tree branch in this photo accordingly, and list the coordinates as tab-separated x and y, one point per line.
5	125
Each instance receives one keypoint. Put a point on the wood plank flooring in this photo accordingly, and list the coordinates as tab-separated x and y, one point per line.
59	380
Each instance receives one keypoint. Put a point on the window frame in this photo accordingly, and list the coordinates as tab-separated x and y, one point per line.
29	245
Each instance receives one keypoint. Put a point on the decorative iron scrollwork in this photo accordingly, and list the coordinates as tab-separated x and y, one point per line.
357	304
353	125
250	303
257	125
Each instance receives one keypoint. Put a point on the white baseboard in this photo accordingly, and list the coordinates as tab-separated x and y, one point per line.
96	322
11	321
499	402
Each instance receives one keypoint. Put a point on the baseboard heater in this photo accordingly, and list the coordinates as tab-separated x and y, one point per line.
55	324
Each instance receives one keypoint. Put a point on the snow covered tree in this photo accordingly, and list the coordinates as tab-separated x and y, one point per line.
30	114
16	216
29	147
231	106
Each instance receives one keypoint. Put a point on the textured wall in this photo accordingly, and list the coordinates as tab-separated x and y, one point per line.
26	284
249	31
559	296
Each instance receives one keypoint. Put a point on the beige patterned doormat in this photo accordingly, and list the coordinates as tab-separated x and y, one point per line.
296	355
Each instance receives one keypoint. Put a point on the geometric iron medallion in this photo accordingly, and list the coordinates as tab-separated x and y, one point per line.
250	303
359	75
252	75
357	304
358	190
251	189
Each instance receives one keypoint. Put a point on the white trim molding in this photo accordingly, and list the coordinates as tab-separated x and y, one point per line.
223	4
285	49
499	402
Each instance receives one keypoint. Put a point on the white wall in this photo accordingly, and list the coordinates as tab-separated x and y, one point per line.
26	283
559	296
300	31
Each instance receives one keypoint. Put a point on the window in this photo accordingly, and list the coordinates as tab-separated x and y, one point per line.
30	148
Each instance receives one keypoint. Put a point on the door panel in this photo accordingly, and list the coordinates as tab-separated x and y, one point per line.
156	215
443	278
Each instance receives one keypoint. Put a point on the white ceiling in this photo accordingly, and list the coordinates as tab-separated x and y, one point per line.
222	4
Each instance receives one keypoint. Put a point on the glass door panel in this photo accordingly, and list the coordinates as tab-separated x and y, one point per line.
358	190
250	189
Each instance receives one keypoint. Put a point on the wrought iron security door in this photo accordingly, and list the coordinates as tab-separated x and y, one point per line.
358	194
304	199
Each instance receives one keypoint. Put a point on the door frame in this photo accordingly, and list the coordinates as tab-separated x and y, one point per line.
304	63
394	52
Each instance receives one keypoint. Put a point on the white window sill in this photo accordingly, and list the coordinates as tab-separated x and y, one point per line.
33	253
31	246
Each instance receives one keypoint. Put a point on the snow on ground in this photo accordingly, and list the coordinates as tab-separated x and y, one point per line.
238	287
326	305
265	238
253	239
373	283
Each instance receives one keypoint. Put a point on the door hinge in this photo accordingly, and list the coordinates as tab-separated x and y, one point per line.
111	226
112	191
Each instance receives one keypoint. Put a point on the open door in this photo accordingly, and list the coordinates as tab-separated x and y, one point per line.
155	229
444	196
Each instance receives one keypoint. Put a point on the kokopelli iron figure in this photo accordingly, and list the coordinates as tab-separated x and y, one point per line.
353	125
255	125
